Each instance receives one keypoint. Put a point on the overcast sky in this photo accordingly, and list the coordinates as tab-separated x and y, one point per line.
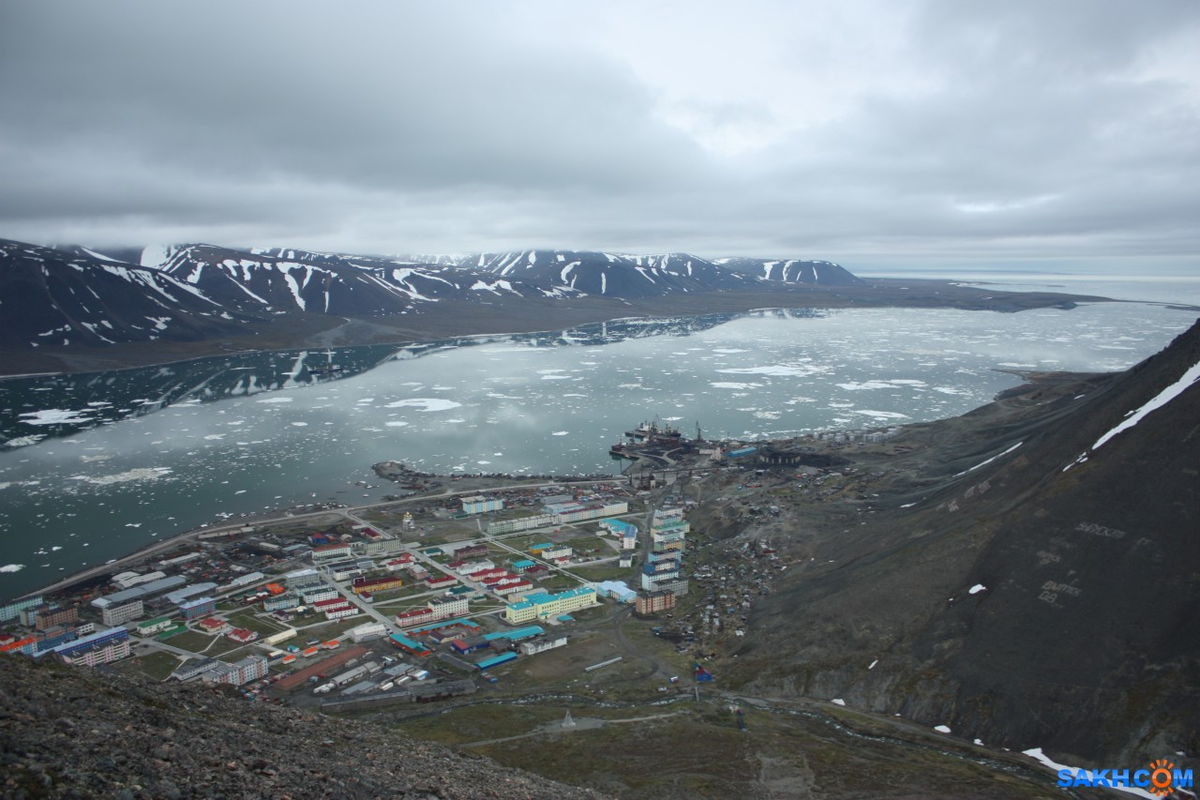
872	133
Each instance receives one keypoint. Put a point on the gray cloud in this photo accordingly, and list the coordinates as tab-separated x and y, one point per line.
950	131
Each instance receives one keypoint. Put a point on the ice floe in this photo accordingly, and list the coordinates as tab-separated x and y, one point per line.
144	474
425	404
776	371
53	416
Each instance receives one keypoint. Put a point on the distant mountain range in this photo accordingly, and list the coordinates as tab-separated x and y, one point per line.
73	295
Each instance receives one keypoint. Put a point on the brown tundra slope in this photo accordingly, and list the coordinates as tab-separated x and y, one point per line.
1026	583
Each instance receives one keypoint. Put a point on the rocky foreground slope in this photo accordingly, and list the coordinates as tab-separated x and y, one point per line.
69	732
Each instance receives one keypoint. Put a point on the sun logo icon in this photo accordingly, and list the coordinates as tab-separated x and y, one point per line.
1161	777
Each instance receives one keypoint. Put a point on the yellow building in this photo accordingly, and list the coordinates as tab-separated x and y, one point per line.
542	605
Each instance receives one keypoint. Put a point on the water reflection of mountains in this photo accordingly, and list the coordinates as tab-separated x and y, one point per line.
32	409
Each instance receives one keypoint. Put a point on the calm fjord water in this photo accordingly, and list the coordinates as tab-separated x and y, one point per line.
102	464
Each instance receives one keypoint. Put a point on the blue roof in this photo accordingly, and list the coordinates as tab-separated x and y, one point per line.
519	633
446	623
494	660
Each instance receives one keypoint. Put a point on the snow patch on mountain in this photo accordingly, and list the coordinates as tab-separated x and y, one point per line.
1158	401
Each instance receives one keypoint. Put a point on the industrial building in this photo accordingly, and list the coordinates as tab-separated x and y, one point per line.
139	592
496	661
517	635
180	560
192	590
247	579
127	580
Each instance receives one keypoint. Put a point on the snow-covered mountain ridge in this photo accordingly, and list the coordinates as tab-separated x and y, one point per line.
75	295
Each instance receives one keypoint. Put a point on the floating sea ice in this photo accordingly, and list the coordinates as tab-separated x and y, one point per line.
12	568
24	441
976	589
425	404
775	371
881	414
276	400
559	433
132	475
396	424
299	424
53	416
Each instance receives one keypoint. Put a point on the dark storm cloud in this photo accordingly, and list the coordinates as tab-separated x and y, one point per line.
943	128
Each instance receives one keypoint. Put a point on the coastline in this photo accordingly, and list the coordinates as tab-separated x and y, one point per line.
461	320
